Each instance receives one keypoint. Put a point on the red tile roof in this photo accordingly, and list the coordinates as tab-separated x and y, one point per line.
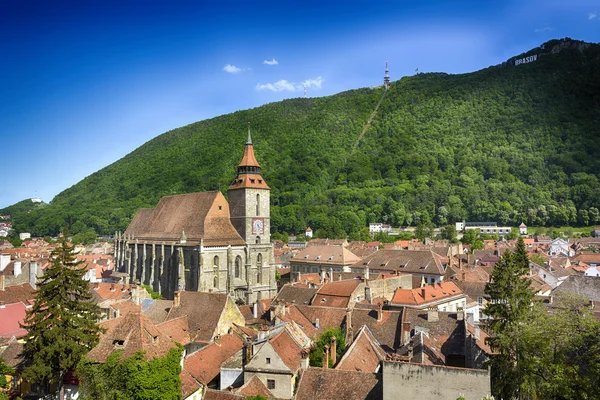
11	316
18	293
255	387
205	364
328	384
426	294
364	354
287	348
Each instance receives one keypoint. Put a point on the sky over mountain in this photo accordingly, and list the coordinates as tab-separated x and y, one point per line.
83	83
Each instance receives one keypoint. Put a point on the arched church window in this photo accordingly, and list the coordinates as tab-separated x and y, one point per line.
257	204
238	266
216	261
258	240
259	264
216	282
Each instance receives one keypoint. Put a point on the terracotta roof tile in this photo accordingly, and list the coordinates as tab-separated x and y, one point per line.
287	348
18	293
205	364
212	394
131	333
407	261
426	294
325	255
364	354
255	387
388	331
12	354
294	294
11	316
203	311
333	384
176	329
201	215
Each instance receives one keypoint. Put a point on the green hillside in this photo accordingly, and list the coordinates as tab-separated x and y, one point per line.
507	143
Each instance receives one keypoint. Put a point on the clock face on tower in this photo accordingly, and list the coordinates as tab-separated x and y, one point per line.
258	226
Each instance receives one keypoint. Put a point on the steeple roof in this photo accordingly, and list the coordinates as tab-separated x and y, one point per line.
249	160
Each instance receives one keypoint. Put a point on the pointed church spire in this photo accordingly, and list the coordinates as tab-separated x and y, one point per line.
249	140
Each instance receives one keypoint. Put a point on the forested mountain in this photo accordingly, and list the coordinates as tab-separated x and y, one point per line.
509	143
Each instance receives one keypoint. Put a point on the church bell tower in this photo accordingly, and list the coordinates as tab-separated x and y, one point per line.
249	200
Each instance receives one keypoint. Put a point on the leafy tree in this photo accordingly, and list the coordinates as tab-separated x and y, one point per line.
4	384
61	325
470	236
509	311
449	233
316	354
133	378
423	231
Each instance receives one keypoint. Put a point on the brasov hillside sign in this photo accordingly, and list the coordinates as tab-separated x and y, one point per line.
525	60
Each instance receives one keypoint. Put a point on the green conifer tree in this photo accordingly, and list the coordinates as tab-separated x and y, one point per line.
61	325
508	309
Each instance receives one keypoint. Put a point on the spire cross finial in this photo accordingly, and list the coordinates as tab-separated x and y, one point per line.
249	140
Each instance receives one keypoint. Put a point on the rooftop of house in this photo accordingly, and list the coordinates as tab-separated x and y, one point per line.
11	354
131	333
294	294
205	364
203	311
12	315
18	293
387	328
325	383
255	387
407	261
364	354
586	286
325	255
427	294
336	293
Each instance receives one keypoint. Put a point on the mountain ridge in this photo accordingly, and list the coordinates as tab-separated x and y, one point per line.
441	147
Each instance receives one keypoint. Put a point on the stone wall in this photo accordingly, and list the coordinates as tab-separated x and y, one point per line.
415	381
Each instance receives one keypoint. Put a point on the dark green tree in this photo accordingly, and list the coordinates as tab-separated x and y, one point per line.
449	233
133	378
61	325
509	311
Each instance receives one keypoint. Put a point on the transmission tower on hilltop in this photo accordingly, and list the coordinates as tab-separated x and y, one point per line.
386	77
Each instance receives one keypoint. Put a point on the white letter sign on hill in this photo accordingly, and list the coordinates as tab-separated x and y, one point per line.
526	60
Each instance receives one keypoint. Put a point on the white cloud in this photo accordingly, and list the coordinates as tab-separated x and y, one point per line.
313	83
283	84
272	62
592	15
544	29
232	69
278	86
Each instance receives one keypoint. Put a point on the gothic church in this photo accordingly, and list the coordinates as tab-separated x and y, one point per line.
202	242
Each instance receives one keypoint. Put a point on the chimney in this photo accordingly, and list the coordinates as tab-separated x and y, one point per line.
330	274
477	333
432	315
255	310
135	294
299	277
460	314
117	313
304	362
317	324
368	295
1	283
379	312
366	272
325	359
333	350
4	261
322	276
17	268
460	261
177	299
33	274
410	351
423	292
247	352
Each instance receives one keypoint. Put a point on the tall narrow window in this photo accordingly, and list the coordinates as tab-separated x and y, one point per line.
216	282
259	269
257	204
238	266
216	261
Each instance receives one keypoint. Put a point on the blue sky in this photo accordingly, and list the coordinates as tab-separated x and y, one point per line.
83	83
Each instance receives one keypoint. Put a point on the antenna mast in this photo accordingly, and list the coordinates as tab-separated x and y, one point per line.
386	77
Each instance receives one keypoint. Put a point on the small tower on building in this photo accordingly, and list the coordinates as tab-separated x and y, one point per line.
309	233
386	77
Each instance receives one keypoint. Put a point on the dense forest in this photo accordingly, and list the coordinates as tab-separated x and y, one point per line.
508	143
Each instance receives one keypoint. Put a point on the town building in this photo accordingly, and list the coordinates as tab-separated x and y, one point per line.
203	242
